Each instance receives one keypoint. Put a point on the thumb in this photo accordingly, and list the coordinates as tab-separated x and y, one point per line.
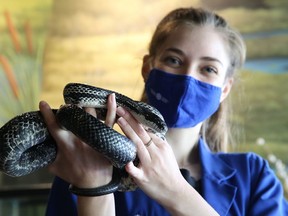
133	171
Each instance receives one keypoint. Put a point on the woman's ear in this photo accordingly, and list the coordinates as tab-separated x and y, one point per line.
146	67
226	88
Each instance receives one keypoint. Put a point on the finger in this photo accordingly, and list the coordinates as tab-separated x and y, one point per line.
134	171
52	125
128	130
50	120
48	115
134	124
91	111
147	145
142	151
111	110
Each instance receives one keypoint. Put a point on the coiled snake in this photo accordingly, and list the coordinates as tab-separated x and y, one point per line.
26	145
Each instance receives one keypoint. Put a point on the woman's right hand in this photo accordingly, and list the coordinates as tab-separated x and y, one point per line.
80	165
76	162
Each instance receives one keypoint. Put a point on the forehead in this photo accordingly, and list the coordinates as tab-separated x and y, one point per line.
197	41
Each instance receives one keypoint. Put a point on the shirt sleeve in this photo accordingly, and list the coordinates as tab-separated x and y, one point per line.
61	201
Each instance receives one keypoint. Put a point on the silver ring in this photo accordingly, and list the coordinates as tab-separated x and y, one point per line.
148	143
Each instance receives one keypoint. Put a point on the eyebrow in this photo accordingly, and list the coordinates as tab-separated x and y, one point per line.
180	52
172	49
208	58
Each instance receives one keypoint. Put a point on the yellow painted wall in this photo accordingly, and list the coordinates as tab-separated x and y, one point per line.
99	43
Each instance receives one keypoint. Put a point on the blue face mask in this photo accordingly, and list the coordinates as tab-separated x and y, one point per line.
182	100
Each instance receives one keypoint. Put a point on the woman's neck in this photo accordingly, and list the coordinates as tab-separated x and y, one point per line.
183	142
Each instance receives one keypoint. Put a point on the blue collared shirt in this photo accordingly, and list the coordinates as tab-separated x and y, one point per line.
233	184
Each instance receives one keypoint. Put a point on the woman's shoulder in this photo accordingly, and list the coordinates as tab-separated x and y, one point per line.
238	164
254	175
251	159
248	165
251	167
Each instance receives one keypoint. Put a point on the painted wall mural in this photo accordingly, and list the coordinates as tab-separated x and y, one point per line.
45	44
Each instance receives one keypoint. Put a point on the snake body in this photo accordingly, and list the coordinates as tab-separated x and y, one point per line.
26	145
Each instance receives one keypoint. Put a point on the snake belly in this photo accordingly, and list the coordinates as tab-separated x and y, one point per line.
26	145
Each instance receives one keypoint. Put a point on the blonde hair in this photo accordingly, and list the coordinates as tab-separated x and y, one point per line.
216	129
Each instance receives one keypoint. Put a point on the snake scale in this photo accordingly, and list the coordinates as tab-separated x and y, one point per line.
26	145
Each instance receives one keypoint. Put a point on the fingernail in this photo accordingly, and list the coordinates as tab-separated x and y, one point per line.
44	105
120	111
120	121
112	97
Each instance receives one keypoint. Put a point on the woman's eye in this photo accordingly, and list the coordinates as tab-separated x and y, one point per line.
210	70
173	61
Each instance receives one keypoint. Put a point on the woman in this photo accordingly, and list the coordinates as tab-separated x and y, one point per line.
188	74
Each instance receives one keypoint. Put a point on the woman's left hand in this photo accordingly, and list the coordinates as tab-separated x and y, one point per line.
158	173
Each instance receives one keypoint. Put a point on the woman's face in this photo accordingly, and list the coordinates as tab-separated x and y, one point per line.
200	52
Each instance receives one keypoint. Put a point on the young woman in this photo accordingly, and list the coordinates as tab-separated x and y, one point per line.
188	73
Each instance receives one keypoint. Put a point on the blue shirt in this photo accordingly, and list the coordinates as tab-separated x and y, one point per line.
233	184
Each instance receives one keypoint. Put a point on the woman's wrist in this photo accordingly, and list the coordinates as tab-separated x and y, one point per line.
98	205
103	177
187	201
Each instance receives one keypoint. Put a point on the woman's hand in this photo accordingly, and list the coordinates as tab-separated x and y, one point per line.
158	173
76	162
79	164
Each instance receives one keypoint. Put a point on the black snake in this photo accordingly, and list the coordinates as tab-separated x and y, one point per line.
26	145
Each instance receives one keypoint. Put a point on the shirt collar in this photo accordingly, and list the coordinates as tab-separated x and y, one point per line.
213	166
215	175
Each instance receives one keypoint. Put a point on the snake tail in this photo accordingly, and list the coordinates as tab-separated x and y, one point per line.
111	187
